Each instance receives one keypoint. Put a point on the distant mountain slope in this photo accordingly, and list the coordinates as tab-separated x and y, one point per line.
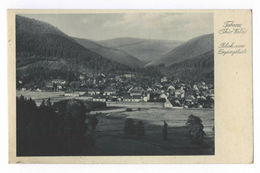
40	45
111	53
188	50
120	42
144	49
196	68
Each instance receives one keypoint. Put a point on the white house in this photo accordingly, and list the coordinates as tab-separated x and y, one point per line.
179	93
71	94
99	99
81	93
145	99
167	104
109	92
195	87
136	91
137	98
93	91
81	77
149	90
38	90
163	96
164	79
129	75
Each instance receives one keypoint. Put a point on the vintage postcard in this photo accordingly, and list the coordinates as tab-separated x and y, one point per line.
130	86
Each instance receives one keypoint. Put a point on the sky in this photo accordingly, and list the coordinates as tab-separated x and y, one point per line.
102	26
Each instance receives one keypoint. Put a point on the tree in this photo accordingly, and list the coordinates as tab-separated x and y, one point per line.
165	130
51	129
195	129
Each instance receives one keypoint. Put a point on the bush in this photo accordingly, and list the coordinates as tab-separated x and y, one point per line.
129	127
129	109
132	128
195	129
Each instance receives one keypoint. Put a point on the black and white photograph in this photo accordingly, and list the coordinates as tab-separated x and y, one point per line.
115	84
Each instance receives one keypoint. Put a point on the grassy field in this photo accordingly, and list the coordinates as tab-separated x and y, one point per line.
111	140
175	117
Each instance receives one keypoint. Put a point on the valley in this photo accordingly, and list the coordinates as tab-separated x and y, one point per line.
125	95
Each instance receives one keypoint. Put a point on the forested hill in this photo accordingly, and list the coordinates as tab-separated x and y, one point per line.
196	69
40	47
192	60
187	51
146	50
44	52
113	54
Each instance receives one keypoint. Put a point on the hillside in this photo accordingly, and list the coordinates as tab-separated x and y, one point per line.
29	25
188	50
44	52
120	42
195	69
146	50
111	53
42	48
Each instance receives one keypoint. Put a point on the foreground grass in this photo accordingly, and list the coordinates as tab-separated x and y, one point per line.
111	140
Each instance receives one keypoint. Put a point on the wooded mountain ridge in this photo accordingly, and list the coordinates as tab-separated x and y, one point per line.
44	50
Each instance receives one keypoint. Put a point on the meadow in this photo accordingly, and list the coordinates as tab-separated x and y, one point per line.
110	138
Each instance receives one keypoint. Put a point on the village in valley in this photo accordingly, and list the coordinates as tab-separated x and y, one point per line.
131	88
106	91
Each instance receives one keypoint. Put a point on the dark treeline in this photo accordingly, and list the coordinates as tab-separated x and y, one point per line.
48	130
